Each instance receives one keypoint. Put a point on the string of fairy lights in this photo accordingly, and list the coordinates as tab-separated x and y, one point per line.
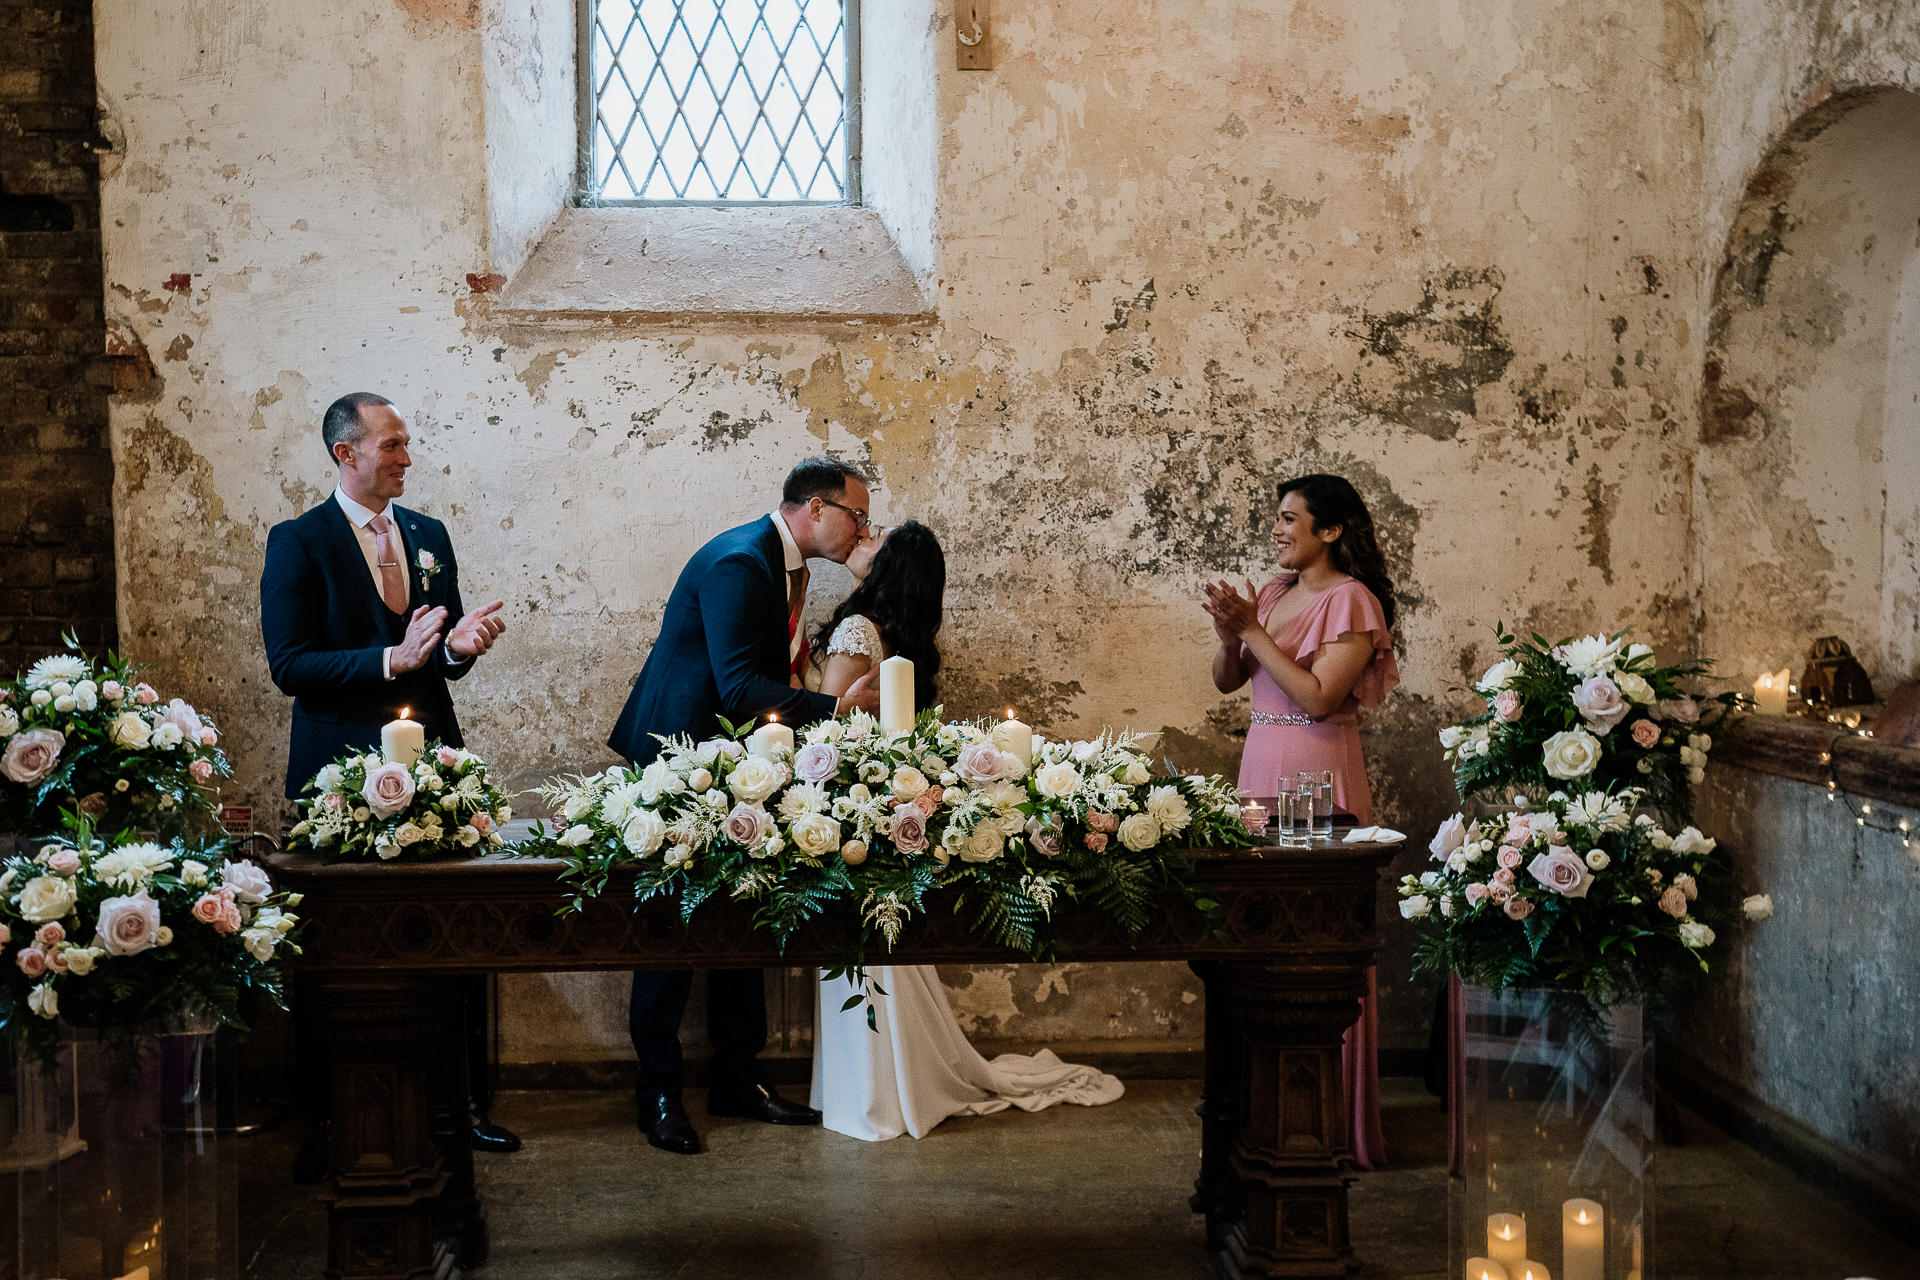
1863	816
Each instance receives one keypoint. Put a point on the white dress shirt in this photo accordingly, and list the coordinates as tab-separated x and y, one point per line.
795	562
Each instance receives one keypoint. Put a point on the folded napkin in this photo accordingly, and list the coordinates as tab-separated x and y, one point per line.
1378	835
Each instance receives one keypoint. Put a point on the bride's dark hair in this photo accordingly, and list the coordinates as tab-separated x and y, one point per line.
904	595
1331	500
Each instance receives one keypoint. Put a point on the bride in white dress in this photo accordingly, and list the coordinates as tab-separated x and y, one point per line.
914	1068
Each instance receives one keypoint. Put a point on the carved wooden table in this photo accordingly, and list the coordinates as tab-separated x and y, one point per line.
383	943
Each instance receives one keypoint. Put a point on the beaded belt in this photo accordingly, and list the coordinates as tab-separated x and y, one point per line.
1267	717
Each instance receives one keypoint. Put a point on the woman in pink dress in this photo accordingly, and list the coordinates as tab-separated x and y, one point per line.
1316	642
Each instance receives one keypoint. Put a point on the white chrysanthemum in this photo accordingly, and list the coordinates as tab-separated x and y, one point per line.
1169	808
804	798
132	865
617	806
1599	811
60	668
1499	676
1588	656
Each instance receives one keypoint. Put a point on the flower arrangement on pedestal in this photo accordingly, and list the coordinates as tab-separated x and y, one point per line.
1594	713
106	935
869	825
440	806
1578	893
93	737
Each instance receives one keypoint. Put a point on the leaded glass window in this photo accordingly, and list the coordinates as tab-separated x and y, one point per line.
719	101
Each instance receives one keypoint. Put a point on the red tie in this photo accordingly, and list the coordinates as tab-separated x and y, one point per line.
393	578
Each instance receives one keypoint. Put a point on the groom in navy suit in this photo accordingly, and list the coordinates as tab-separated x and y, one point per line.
354	597
731	645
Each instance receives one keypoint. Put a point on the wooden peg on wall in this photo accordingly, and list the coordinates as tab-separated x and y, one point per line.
973	35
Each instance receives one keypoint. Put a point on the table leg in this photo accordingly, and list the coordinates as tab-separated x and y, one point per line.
384	1193
1291	1155
1216	1192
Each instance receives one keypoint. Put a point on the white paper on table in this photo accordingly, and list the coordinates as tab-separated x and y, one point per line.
1378	835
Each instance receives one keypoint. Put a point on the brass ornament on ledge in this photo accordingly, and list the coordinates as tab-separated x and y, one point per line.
1834	677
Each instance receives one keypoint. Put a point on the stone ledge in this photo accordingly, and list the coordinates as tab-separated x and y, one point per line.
693	267
1789	747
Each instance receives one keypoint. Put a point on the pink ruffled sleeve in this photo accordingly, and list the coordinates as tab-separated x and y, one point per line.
1350	607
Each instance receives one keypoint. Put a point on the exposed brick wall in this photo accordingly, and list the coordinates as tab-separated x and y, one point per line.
56	472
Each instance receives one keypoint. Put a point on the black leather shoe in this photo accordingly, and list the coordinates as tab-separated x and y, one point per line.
488	1136
665	1123
315	1156
759	1102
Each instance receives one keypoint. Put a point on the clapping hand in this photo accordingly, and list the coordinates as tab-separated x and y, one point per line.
861	695
423	636
1233	614
474	634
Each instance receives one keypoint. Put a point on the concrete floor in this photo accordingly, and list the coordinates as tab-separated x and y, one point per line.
1068	1194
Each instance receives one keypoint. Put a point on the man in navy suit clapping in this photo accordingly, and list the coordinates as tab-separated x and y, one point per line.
731	645
354	598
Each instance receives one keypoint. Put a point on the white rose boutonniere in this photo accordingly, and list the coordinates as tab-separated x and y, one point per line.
428	566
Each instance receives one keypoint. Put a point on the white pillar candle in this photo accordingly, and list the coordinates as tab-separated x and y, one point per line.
1485	1269
770	739
1018	738
1770	693
1583	1229
1507	1239
896	696
402	740
1529	1270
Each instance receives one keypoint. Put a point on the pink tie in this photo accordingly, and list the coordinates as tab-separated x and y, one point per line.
393	578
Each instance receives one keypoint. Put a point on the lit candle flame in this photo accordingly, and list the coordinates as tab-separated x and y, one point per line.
1581	1217
1009	713
772	718
1506	1232
406	712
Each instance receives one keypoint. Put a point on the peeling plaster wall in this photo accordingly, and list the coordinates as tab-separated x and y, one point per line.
1179	250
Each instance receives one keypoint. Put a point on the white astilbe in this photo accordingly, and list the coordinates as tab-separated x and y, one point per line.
886	913
1041	891
755	883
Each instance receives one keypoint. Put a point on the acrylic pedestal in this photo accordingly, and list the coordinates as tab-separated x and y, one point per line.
1556	1122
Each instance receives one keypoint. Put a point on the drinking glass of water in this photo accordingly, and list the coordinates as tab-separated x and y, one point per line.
1323	805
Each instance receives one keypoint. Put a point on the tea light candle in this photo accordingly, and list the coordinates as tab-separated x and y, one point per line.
1507	1239
770	738
896	696
1770	693
1485	1269
402	740
1583	1228
1253	815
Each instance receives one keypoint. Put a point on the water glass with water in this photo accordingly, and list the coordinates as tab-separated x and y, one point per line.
1323	805
1285	811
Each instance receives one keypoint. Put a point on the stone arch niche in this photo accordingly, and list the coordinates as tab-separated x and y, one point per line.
1809	466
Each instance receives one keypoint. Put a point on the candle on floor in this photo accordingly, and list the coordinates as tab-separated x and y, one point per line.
1507	1239
1019	739
896	696
1770	693
402	740
1583	1229
1529	1270
770	738
1485	1269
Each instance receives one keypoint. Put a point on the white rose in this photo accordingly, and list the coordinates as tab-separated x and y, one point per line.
503	815
129	729
1430	880
1572	753
46	898
700	780
65	702
1691	841
578	805
80	961
1139	832
576	835
434	782
9	722
645	832
166	736
1634	689
1417	907
1499	676
259	943
387	851
825	731
1694	934
1136	774
1758	907
1452	736
908	782
43	999
1057	781
658	779
193	873
756	778
1169	808
408	834
815	834
986	843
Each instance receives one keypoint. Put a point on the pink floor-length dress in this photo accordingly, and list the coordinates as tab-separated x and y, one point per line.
1276	751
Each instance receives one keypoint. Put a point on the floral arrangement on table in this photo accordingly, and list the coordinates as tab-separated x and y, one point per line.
366	806
116	934
1595	712
76	735
1576	892
871	825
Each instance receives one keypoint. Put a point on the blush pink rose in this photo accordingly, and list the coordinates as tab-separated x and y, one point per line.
930	799
1508	857
143	693
32	961
981	762
1518	908
909	829
1101	822
1674	902
817	761
229	921
333	802
1504	877
1598	700
1685	884
447	756
129	925
1476	892
1646	734
112	691
1506	705
30	756
481	823
50	934
389	789
1682	710
57	961
207	909
6	935
202	770
208	737
1045	840
1451	836
1096	840
1519	831
748	824
1559	870
182	717
65	862
246	880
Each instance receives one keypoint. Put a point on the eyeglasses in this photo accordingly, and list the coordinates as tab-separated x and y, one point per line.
859	517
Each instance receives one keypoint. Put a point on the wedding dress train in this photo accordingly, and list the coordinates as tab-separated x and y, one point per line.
917	1068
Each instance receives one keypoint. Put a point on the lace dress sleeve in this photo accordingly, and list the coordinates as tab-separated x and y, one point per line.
855	635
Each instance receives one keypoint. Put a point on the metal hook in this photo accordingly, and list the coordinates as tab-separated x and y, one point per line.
976	38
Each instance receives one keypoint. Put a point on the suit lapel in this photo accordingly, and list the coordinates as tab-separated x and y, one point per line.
352	562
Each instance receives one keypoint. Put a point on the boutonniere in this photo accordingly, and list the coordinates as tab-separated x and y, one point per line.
429	569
